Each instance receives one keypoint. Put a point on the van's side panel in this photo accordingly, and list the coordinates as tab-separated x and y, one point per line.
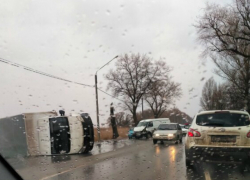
76	134
44	136
33	127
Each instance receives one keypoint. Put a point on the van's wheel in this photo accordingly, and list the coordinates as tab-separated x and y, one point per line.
86	150
154	141
88	147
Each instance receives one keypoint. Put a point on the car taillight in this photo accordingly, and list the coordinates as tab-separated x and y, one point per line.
194	133
190	134
248	135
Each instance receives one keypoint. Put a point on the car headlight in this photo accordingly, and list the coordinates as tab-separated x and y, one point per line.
157	134
170	135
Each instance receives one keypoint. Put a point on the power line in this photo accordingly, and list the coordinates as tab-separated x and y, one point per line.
110	95
51	76
40	72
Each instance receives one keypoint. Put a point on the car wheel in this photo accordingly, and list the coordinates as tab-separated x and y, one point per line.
162	142
176	142
181	140
247	161
154	141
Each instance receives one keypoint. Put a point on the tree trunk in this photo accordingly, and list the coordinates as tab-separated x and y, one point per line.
134	115
247	103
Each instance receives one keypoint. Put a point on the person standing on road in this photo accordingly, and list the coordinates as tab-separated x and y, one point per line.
113	122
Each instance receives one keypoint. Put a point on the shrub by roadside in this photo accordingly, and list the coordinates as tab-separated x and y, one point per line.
107	133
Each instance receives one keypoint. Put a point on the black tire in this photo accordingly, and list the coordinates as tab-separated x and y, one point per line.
181	140
88	147
155	141
162	142
189	163
178	139
148	136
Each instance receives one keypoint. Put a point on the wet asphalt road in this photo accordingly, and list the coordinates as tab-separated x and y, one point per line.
128	159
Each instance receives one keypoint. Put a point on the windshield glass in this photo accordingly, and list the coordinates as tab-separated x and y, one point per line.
142	124
167	127
187	126
76	75
223	119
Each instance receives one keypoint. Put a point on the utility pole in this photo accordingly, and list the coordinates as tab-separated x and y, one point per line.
142	107
96	98
97	108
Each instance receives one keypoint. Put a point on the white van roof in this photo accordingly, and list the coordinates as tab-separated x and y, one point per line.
158	119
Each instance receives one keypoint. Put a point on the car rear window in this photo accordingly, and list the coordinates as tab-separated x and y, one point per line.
167	127
223	119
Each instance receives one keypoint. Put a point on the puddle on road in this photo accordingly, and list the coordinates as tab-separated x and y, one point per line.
110	145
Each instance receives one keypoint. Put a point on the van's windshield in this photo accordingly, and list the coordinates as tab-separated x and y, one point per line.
167	127
223	119
142	124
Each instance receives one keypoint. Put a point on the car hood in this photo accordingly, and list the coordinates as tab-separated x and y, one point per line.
165	132
184	130
136	129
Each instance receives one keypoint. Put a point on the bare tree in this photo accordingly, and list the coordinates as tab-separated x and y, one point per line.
132	77
207	97
226	30
236	71
223	96
161	95
235	101
214	96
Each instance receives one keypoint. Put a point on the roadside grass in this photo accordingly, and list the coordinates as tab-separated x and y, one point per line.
107	133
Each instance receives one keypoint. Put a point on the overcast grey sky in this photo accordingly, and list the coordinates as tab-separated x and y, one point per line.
72	39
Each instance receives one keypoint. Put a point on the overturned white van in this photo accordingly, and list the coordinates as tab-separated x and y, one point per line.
46	133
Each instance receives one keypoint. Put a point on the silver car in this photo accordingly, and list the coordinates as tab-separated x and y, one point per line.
168	132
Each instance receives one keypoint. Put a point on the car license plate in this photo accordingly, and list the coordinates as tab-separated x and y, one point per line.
225	138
